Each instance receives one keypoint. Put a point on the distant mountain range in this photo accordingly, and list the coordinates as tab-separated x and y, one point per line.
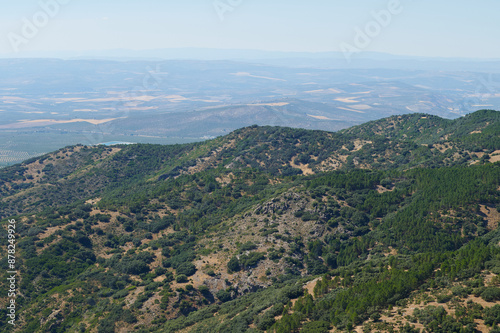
279	58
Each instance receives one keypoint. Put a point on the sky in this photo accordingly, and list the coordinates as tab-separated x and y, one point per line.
444	28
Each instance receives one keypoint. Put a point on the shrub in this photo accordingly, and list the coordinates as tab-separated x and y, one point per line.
223	296
251	259
316	327
181	278
491	294
120	294
248	246
233	265
186	268
492	315
203	289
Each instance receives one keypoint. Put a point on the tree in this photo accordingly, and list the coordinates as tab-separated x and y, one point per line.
223	295
181	278
186	268
233	265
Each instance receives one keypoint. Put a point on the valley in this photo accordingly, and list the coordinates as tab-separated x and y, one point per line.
69	102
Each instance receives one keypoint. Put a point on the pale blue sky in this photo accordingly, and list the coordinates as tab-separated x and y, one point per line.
442	28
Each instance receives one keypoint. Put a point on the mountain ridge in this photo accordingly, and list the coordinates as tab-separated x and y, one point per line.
264	229
343	150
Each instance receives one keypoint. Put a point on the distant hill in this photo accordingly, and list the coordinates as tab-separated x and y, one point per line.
299	59
47	104
389	226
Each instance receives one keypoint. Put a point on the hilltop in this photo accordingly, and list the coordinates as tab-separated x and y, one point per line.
398	142
264	229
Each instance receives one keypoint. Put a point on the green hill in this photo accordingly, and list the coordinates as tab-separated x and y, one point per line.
387	226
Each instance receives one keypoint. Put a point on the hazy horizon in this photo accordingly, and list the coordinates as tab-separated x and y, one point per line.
457	29
195	53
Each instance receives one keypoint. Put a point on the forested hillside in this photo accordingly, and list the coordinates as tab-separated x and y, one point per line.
389	226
